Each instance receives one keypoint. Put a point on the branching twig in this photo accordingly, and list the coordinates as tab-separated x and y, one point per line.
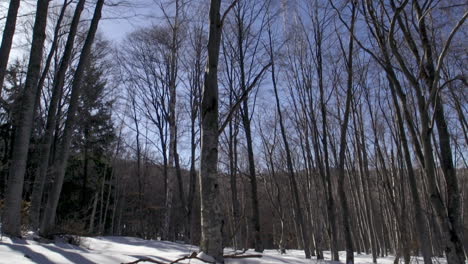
227	11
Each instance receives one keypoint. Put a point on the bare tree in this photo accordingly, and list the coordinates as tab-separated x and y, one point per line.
292	175
342	144
59	166
12	211
212	222
58	84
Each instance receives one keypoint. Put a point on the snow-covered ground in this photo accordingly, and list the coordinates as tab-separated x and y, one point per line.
115	250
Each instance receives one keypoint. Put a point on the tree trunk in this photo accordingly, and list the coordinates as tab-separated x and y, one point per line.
12	211
292	176
93	213
60	164
7	39
39	180
232	152
245	114
174	177
344	127
211	212
421	224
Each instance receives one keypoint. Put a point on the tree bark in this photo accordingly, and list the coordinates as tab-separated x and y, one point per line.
421	224
60	164
344	127
245	115
7	39
174	176
39	180
292	176
12	211
211	213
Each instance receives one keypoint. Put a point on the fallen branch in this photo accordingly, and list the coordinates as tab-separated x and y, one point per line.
194	256
144	260
243	256
191	256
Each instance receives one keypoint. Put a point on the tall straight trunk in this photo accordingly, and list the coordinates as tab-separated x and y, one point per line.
101	203
402	218
454	234
253	178
344	127
232	151
277	198
102	227
211	213
7	39
112	164
193	147
93	212
421	224
138	166
192	185
248	137
329	186
60	164
116	200
453	190
12	212
292	176
50	56
423	232
39	180
174	170
365	181
318	32
84	180
453	245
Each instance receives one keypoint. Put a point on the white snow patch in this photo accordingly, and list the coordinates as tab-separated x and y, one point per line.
115	250
205	257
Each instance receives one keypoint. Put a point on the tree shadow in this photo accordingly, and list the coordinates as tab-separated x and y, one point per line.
164	246
28	253
152	257
71	256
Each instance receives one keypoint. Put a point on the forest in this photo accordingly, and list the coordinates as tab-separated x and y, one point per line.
319	125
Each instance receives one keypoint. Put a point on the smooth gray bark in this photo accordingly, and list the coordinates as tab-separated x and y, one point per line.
60	164
58	84
7	39
12	212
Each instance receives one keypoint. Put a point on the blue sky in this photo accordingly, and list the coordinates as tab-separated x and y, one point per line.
117	20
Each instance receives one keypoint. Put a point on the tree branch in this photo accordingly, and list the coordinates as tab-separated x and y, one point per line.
435	89
227	11
192	256
244	95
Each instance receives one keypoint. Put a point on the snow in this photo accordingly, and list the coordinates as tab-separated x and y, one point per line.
205	257
114	250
